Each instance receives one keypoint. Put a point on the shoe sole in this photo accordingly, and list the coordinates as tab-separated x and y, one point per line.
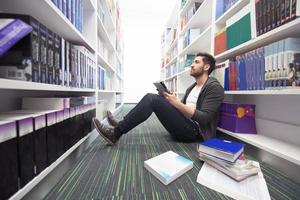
104	137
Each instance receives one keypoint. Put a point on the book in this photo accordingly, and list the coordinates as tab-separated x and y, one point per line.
161	87
168	166
224	149
239	170
11	31
252	188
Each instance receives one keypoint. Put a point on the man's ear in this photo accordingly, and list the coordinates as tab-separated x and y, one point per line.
206	67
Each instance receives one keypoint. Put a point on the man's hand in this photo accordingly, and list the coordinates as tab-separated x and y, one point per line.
184	109
171	97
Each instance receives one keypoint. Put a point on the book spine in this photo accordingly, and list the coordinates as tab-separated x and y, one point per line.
43	53
35	50
287	10
283	11
257	15
273	15
57	60
278	12
62	62
50	57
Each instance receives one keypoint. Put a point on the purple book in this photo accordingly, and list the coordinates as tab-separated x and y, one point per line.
11	31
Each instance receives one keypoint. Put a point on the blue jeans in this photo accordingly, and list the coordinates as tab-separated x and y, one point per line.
180	127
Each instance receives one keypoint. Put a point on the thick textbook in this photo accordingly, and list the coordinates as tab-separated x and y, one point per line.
253	188
168	166
223	149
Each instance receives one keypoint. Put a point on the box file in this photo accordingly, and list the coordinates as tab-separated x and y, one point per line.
25	145
40	141
8	159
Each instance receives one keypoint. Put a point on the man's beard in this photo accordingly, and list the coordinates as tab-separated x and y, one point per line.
198	73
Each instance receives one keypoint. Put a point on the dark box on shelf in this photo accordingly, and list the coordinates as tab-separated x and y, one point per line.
22	61
238	118
25	145
8	159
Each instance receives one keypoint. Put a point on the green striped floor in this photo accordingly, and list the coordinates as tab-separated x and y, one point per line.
117	172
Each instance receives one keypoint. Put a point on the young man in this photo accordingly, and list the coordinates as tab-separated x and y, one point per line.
192	119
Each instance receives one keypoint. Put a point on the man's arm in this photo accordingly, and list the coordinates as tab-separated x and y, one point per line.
187	111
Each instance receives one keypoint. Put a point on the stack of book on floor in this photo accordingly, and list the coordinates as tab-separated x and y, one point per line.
227	157
226	170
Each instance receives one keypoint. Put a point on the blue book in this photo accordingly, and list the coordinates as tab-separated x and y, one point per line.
222	149
12	31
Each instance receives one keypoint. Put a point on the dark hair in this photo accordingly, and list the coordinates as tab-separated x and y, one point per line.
208	59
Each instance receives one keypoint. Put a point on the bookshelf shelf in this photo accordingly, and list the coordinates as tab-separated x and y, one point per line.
105	64
23	85
171	77
184	72
282	149
90	5
102	31
111	23
201	18
108	91
202	43
231	11
287	30
187	4
289	91
172	46
54	19
174	60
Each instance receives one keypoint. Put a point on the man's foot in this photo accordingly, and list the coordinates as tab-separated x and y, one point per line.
111	119
108	133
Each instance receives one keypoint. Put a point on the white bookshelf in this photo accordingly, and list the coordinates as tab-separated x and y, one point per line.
277	147
174	60
290	91
187	5
93	29
48	14
231	11
201	43
277	110
7	84
103	32
107	33
103	62
287	30
202	18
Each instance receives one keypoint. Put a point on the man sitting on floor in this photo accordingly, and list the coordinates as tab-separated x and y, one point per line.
192	119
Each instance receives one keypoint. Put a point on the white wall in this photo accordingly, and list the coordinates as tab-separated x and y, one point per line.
143	22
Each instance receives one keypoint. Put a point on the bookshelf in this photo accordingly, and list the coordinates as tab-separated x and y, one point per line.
276	108
100	35
277	147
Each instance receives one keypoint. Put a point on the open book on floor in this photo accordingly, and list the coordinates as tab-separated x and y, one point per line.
252	188
168	166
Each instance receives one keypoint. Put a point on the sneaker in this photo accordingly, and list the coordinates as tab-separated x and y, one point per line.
111	119
108	133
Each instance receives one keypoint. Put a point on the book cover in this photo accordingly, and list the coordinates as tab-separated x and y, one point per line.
11	31
168	166
224	149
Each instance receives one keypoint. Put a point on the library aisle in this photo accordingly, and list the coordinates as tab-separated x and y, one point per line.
121	174
62	64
